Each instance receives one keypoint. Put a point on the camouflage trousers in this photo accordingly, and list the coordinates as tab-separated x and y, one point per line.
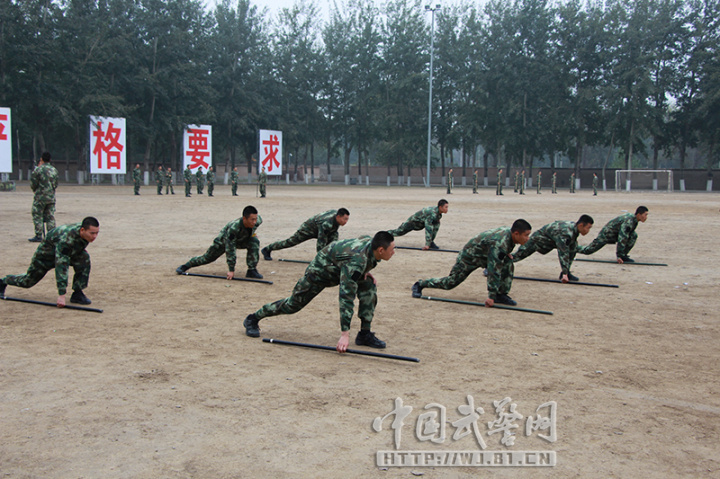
137	187
159	187
200	186
309	286
42	263
188	188
43	213
234	189
498	189
298	237
217	249
211	188
409	226
169	188
461	270
602	240
262	191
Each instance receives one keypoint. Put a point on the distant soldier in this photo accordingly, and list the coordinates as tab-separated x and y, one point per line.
62	248
427	219
211	180
199	180
560	235
595	184
517	181
449	180
136	178
44	182
522	182
554	183
572	182
234	181
475	183
346	263
169	182
539	182
237	234
492	250
187	178
498	190
159	179
262	182
620	230
323	226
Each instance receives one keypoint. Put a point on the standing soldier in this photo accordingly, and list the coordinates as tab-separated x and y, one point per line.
539	181
427	219
62	248
187	177
200	180
522	182
620	230
595	184
136	179
169	182
234	181
554	183
159	179
572	182
498	190
449	180
211	180
44	182
262	182
475	183
237	234
517	180
492	250
346	263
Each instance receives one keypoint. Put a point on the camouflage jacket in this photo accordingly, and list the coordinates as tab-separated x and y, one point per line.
44	182
211	177
159	176
429	216
491	247
234	177
620	229
200	177
323	227
234	235
136	174
345	263
262	178
168	178
187	175
564	234
66	245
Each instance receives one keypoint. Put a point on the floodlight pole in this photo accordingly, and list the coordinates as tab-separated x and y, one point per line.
432	9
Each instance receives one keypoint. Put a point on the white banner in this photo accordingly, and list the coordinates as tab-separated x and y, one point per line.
197	147
5	141
107	145
270	152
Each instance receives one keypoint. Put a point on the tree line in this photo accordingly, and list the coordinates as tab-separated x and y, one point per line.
515	82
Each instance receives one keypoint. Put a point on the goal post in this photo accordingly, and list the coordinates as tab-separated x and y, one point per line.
656	180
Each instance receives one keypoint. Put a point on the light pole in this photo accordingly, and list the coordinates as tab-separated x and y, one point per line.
432	9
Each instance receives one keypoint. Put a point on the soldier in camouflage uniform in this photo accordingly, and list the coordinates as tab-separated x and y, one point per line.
199	180
560	235
211	180
346	263
262	182
237	234
522	183
539	182
169	182
449	180
620	230
187	177
137	178
234	181
492	250
324	227
427	219
554	184
498	190
595	184
63	247
475	182
44	182
572	183
159	179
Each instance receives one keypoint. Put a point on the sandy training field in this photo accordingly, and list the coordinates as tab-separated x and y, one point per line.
165	383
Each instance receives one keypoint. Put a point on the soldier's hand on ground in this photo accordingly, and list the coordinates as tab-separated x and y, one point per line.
620	261
565	278
425	248
61	301
342	344
230	275
489	303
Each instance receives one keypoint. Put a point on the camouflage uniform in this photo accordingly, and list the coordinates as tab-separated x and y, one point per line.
169	183
44	182
187	177
475	183
620	230
233	236
560	235
522	183
449	182
554	184
159	178
498	190
324	227
490	249
234	182
262	181
63	247
427	218
595	185
343	263
210	182
517	181
200	181
136	179
572	183
539	182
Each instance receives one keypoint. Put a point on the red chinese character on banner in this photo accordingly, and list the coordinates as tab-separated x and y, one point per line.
111	149
3	136
198	148
271	152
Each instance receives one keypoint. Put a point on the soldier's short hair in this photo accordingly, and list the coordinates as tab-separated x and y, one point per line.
382	239
520	226
46	157
89	221
641	209
586	220
249	210
442	202
343	212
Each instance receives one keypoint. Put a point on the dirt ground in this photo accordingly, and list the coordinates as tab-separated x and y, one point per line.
164	383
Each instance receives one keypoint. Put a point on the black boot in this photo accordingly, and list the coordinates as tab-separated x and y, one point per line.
252	328
253	273
78	297
368	338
